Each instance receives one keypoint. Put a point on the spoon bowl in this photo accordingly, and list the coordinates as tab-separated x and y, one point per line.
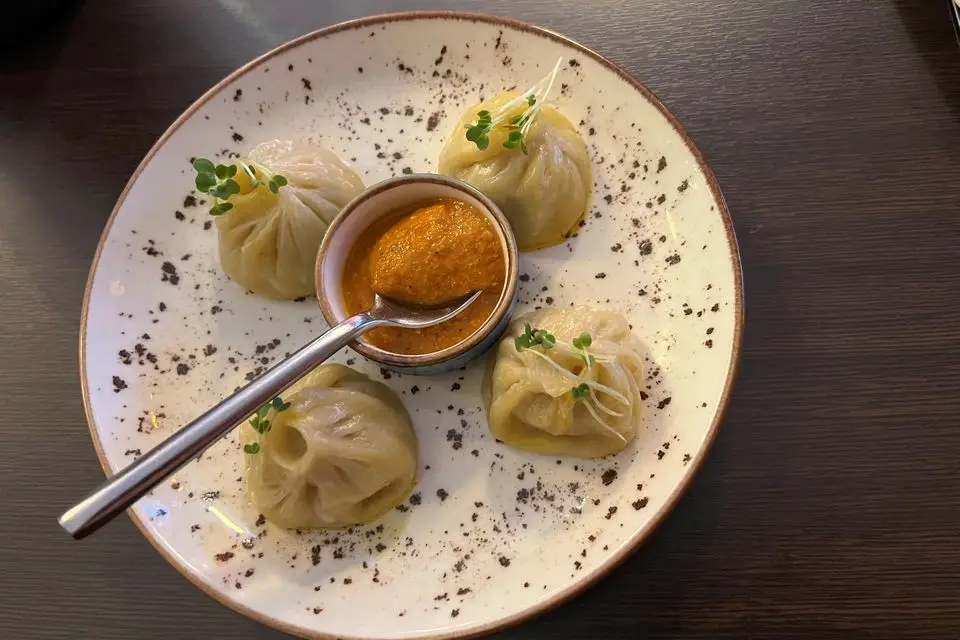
398	314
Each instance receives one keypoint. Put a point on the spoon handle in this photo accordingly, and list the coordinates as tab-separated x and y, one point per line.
127	486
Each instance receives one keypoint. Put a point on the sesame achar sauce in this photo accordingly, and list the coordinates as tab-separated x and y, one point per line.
432	255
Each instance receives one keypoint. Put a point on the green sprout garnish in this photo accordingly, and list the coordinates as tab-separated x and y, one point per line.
518	125
217	181
581	391
531	338
582	343
260	423
478	132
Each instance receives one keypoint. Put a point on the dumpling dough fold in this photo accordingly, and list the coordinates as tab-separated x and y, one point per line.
343	453
544	192
269	242
528	396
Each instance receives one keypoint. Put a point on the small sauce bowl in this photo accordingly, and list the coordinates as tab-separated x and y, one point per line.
385	199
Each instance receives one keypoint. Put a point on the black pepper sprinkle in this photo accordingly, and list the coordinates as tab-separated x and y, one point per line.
118	384
442	494
455	386
306	84
182	369
683	186
661	198
207	224
661	164
416	499
504	561
223	557
608	477
169	273
237	95
646	247
709	344
179	215
640	504
672	260
610	511
600	276
189	201
433	121
455	613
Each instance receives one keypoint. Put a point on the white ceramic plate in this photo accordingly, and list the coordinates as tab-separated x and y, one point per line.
492	535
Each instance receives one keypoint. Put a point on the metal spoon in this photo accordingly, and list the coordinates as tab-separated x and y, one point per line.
125	488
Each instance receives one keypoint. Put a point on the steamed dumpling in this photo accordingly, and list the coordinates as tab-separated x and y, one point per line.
269	242
341	454
529	394
543	193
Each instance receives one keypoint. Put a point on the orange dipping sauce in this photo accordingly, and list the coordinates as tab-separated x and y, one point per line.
434	254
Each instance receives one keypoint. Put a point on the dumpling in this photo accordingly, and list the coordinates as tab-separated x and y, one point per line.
269	241
342	452
547	399
544	192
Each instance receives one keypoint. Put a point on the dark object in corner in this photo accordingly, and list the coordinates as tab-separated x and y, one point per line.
25	21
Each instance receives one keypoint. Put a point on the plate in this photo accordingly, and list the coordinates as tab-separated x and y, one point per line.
492	535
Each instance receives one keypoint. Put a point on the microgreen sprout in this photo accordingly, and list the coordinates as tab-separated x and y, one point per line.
478	132
217	181
581	391
260	423
517	125
582	343
531	338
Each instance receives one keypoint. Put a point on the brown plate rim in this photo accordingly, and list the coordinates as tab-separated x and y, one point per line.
617	558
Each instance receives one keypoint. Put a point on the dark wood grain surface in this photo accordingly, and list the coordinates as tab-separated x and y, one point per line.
830	505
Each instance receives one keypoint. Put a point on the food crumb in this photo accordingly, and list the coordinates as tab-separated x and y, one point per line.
608	476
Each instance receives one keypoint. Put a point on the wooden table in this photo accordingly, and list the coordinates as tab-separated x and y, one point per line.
830	505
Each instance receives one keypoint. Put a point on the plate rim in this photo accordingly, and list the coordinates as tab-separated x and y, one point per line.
573	589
